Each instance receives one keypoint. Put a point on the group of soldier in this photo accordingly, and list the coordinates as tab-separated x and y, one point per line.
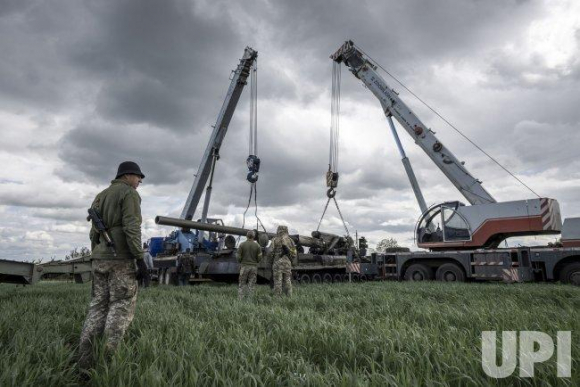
117	271
282	253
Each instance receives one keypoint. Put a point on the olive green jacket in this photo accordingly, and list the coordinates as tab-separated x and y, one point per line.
120	209
249	253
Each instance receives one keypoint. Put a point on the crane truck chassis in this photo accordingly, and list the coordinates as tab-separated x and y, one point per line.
332	258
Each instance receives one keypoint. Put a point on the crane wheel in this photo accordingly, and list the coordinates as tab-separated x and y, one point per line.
305	279
570	273
327	278
316	278
450	272
418	272
337	278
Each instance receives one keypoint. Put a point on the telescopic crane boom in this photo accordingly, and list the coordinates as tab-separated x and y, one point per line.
211	155
452	225
393	106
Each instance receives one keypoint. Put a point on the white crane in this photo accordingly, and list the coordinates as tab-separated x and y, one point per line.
452	224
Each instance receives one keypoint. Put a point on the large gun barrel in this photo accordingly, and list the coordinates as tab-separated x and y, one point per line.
189	224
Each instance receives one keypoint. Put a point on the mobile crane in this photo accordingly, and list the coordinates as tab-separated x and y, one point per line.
173	254
463	239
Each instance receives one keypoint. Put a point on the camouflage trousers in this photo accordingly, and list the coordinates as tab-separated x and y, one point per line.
248	276
112	306
282	272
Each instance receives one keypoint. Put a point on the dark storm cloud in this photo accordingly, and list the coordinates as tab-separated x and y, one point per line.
96	150
33	35
395	33
163	62
157	68
138	61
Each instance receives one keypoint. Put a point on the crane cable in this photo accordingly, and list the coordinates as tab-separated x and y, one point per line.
332	174
253	162
447	122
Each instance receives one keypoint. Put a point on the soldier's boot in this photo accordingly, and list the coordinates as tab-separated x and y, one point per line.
85	362
85	358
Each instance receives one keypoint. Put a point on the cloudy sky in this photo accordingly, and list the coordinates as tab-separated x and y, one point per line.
85	85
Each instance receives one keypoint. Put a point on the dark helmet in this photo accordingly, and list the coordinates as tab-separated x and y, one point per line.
129	167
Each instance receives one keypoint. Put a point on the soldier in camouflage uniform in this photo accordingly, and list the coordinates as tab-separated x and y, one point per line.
282	252
249	256
114	291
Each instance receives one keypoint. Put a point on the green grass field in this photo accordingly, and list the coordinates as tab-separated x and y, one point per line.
426	334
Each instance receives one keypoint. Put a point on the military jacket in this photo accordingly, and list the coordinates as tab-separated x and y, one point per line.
120	209
249	253
283	246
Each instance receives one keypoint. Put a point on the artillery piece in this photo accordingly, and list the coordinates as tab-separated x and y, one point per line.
319	243
325	261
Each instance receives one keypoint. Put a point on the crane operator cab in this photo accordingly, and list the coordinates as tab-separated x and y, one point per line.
443	223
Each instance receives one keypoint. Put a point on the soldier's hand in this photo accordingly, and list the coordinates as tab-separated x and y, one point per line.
142	271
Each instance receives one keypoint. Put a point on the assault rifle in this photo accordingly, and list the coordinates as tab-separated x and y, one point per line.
100	225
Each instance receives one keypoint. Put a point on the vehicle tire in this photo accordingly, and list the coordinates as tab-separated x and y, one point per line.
345	277
418	272
305	279
316	278
337	277
450	272
363	278
570	273
355	277
327	278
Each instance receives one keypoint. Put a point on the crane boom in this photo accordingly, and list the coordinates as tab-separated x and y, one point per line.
205	170
392	105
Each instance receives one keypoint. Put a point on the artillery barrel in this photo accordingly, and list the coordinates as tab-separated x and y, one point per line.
189	224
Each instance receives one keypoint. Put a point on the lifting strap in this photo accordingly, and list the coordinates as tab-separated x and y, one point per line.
253	161
332	174
339	213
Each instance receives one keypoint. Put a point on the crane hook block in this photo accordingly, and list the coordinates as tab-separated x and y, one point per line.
331	179
253	163
331	193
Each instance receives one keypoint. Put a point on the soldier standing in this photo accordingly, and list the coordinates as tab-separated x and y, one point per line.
115	270
249	256
283	252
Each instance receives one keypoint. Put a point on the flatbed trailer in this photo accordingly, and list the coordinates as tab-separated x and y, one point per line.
28	273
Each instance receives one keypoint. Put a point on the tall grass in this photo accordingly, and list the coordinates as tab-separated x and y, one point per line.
342	335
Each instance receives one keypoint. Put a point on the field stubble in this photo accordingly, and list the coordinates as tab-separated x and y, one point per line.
346	334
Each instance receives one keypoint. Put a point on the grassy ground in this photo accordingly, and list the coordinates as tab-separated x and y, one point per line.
347	334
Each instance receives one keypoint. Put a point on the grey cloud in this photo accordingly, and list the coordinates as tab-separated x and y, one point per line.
395	33
162	62
39	197
96	151
34	36
150	61
61	214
